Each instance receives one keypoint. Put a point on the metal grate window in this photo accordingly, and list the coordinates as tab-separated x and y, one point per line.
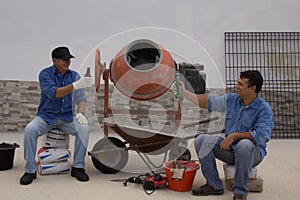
277	56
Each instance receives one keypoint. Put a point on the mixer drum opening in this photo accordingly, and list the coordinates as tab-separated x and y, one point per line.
143	55
143	70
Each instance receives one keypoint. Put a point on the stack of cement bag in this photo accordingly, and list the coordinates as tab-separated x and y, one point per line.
53	156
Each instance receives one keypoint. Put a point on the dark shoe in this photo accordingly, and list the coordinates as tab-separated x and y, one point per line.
79	174
239	197
205	190
27	178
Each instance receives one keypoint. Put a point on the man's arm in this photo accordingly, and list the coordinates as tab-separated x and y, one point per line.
83	82
235	136
81	107
63	91
198	99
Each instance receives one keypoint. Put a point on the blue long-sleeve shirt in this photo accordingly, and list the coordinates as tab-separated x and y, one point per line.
256	118
51	109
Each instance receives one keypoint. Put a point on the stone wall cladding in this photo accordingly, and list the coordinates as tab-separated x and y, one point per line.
20	100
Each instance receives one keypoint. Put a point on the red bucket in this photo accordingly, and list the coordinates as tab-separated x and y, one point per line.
185	183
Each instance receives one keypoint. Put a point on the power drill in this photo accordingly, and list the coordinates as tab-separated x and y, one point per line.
149	182
154	182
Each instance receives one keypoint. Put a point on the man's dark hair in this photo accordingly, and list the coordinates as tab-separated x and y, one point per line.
254	78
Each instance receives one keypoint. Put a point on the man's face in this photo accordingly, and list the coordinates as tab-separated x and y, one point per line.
62	65
242	88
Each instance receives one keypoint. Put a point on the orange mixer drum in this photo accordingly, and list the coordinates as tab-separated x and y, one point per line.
143	70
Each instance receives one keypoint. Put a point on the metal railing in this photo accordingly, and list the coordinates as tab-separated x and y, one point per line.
277	56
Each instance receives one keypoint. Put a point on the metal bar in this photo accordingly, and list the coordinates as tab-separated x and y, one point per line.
141	111
151	144
200	122
106	94
145	162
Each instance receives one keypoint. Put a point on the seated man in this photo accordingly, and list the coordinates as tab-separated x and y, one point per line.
60	88
248	126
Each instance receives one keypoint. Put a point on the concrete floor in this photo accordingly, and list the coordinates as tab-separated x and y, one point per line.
280	171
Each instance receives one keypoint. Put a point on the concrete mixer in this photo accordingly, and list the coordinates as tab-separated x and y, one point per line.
142	70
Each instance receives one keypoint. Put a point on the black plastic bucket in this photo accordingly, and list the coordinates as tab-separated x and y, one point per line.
7	153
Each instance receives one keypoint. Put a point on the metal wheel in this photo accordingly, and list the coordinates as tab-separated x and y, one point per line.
180	153
109	155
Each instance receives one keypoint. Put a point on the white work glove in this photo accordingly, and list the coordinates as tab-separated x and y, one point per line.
81	118
83	82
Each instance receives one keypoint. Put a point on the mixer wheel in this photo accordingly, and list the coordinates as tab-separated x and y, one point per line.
109	155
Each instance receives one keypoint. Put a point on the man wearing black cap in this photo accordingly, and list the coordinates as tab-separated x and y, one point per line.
61	88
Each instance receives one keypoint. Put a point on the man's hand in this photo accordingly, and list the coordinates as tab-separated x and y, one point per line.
81	118
174	87
235	136
225	144
83	82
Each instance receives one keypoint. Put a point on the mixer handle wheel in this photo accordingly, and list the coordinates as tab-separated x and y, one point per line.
180	153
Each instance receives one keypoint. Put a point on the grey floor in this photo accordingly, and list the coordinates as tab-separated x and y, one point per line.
280	171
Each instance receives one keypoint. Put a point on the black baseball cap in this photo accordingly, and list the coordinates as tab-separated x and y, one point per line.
62	53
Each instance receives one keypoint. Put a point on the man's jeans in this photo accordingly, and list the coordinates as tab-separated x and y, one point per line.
38	127
245	156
